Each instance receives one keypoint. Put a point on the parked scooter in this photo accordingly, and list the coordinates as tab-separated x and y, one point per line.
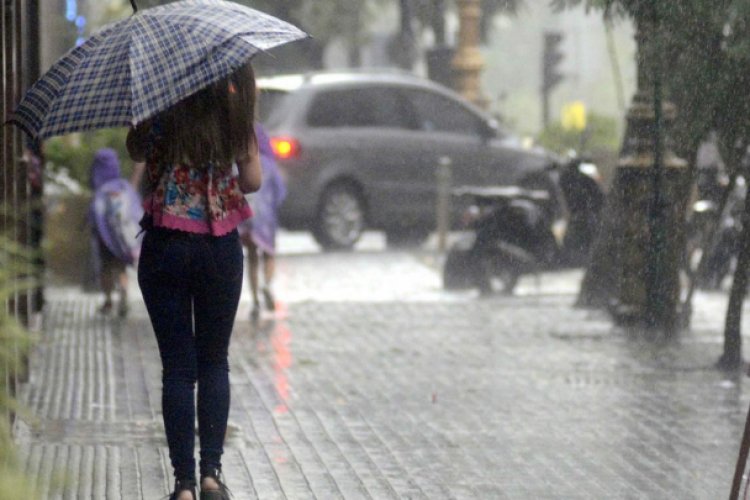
712	251
583	191
511	231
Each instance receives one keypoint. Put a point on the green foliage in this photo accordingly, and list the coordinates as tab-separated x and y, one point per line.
68	233
613	8
14	485
15	263
702	50
75	152
601	134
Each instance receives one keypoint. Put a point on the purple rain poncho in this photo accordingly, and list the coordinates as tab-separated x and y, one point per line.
115	208
266	201
105	167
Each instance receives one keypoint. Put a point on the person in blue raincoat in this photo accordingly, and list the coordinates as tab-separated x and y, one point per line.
258	234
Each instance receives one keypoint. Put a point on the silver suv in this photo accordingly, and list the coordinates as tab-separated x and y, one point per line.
362	150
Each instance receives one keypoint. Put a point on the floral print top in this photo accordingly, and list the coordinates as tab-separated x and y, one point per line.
206	200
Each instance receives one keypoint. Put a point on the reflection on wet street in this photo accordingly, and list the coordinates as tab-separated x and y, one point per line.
370	381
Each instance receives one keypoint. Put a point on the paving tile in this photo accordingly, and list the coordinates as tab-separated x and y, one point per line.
371	382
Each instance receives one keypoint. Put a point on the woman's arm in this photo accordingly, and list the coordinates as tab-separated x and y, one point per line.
137	176
250	174
136	144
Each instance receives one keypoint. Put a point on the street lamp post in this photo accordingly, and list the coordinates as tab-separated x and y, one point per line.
650	184
468	61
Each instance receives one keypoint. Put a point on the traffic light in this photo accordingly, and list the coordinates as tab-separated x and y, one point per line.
551	75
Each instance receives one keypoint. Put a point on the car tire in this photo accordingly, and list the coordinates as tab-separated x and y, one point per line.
404	237
340	219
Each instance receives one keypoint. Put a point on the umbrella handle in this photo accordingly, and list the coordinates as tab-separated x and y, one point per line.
135	7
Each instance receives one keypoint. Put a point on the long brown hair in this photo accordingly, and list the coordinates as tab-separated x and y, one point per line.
214	125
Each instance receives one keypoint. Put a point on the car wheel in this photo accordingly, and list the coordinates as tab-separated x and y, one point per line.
405	237
341	218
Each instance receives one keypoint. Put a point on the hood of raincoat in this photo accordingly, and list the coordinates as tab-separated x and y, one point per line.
105	167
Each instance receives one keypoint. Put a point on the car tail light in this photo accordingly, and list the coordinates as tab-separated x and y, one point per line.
285	147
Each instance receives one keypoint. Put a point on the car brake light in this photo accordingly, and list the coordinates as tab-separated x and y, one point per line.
285	147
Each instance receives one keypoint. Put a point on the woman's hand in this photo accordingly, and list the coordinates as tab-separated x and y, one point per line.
250	174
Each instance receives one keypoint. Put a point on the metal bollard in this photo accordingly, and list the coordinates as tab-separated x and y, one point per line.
443	205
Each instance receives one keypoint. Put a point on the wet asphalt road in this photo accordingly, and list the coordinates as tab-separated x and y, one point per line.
369	381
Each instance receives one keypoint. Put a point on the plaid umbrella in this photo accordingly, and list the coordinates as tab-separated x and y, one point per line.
132	69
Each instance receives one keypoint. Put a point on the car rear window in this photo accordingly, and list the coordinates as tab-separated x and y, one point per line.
359	107
269	105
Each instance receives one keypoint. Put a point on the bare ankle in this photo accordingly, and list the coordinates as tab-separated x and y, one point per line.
209	483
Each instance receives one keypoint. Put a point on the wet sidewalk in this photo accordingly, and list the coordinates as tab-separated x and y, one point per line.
371	382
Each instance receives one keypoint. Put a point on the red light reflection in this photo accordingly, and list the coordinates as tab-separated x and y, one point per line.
281	341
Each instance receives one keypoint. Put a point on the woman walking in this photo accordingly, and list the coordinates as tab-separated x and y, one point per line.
191	263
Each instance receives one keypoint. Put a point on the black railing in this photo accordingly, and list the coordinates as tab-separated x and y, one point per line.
19	67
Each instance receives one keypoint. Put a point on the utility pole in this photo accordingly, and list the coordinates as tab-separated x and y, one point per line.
552	56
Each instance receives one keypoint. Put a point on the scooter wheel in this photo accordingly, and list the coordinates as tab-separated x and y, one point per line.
506	278
509	279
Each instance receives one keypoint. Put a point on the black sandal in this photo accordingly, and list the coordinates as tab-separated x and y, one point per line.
222	493
181	485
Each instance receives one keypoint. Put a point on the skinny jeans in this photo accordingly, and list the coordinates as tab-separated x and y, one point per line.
191	284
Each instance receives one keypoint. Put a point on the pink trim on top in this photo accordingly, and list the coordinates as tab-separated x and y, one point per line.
214	228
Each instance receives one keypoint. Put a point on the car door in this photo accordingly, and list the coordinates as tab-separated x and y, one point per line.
511	163
372	120
448	133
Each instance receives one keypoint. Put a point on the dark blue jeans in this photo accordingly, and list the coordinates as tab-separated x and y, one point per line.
191	285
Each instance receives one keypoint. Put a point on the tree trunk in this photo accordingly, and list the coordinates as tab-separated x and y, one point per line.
601	280
402	50
634	270
732	356
437	20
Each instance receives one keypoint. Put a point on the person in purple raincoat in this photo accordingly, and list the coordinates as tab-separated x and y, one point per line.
259	233
113	249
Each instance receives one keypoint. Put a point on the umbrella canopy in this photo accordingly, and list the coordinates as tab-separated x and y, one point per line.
132	69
